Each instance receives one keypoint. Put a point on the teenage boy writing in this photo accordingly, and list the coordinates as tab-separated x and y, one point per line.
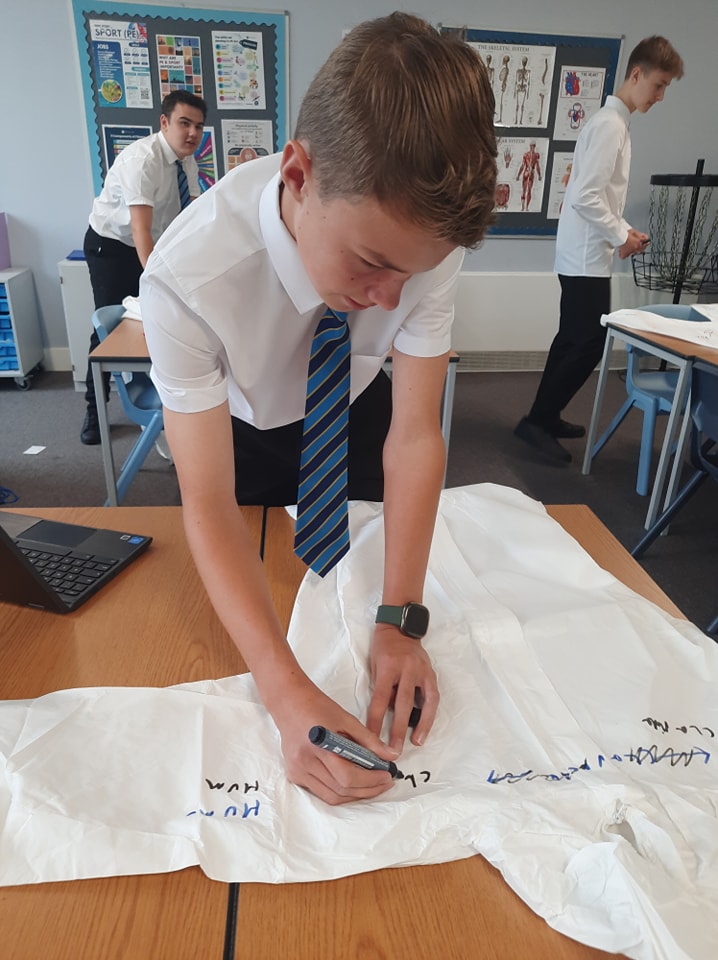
590	228
390	174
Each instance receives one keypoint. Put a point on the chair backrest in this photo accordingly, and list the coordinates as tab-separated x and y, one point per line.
676	311
137	393
105	319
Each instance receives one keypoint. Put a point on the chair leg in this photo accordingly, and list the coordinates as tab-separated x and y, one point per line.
646	452
612	427
665	518
138	455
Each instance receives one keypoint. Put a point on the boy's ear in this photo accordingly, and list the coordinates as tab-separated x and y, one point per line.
636	73
295	169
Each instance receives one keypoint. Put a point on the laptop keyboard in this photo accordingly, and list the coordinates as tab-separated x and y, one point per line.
68	572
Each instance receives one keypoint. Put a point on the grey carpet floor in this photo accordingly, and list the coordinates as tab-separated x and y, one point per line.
482	450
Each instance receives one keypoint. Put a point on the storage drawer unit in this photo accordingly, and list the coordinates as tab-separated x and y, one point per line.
21	347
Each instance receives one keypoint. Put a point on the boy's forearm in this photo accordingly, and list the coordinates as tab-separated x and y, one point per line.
234	577
413	477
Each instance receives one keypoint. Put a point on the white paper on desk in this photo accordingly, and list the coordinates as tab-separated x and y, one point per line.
704	332
573	747
132	308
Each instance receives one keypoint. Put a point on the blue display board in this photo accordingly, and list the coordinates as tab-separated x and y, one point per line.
546	88
132	55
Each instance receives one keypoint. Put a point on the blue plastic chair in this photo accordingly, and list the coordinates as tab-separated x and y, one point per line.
703	456
651	391
140	402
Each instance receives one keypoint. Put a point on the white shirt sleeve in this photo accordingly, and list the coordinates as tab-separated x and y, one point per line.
426	330
185	352
601	147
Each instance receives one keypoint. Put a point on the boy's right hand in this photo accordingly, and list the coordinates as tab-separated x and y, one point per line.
333	779
636	242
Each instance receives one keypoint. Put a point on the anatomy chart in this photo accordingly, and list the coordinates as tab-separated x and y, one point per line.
521	171
579	98
546	88
521	79
560	173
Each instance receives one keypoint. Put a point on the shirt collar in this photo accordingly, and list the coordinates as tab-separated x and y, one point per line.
283	251
620	107
167	151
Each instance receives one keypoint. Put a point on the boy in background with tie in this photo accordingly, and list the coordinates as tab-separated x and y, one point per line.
149	183
352	238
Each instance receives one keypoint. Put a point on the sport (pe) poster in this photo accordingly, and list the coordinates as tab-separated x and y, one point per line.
122	63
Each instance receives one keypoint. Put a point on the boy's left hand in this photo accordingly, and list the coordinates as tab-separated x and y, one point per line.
402	677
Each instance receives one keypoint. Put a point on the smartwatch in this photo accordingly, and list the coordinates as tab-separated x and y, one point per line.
412	619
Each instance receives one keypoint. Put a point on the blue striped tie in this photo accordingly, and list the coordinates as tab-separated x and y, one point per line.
182	185
322	533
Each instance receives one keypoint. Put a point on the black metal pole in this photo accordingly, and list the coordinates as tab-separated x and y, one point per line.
681	275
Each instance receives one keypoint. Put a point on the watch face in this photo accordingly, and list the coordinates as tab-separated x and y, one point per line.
415	621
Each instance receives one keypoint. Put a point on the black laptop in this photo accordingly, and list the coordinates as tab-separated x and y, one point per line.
57	566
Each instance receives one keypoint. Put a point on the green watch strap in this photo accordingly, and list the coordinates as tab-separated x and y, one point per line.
389	614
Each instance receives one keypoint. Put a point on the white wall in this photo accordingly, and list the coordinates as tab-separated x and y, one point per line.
45	179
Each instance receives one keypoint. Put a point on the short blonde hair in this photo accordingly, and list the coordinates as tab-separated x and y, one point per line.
404	115
655	53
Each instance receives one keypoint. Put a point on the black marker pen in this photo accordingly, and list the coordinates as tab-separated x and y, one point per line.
343	747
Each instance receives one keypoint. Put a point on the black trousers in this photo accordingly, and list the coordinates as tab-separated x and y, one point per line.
267	461
576	348
115	271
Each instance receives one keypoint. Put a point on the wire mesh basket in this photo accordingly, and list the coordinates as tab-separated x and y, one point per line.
683	227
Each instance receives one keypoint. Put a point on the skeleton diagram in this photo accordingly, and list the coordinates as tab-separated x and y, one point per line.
522	84
543	93
529	168
489	69
503	79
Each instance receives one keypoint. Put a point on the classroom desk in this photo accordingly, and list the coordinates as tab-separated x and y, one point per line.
167	633
152	626
125	349
679	353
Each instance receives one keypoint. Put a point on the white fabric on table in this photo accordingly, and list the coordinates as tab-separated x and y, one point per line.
573	746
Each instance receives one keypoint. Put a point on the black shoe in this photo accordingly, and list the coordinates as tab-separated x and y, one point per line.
541	440
568	431
90	433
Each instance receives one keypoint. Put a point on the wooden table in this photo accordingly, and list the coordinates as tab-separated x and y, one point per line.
680	353
154	626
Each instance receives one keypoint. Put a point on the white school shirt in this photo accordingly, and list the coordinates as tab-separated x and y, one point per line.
591	224
229	311
143	173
